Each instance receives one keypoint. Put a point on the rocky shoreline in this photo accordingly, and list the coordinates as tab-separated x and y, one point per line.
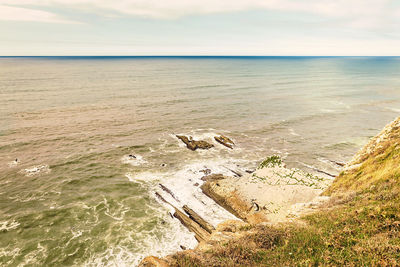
269	195
285	220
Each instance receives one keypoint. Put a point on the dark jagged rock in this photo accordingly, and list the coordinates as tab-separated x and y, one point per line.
206	171
340	164
163	187
212	177
323	172
193	144
326	173
161	198
198	219
236	173
223	140
200	233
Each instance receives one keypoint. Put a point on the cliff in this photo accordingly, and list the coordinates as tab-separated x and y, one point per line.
356	223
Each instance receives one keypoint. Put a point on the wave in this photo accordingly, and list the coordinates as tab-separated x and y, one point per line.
7	226
36	170
134	160
185	184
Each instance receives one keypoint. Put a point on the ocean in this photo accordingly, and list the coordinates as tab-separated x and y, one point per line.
71	195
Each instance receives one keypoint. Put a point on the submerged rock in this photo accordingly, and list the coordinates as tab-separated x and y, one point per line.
223	140
193	144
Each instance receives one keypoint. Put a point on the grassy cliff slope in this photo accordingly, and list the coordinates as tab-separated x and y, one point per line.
360	225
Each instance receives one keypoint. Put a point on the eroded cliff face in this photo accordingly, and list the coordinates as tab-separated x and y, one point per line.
390	135
377	161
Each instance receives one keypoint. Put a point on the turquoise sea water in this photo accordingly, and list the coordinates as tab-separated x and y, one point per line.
74	197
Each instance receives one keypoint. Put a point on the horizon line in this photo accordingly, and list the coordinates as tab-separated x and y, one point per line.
190	56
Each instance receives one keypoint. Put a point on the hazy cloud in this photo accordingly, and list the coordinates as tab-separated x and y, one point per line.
360	13
11	13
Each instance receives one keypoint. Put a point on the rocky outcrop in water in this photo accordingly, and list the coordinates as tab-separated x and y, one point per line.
199	232
223	140
193	222
193	144
198	219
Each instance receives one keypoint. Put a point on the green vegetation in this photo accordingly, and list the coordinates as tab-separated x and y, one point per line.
270	162
359	226
293	177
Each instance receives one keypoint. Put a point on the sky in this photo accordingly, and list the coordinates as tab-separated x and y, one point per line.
200	27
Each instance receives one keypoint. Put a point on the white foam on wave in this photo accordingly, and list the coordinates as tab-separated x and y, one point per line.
36	170
162	240
121	255
184	183
9	252
397	110
25	196
13	163
330	163
292	132
326	110
117	214
7	226
146	176
341	104
282	154
134	160
31	259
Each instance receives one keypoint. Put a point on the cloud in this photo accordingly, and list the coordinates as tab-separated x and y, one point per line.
10	13
360	13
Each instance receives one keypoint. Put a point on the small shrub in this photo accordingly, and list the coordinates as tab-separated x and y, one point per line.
270	162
